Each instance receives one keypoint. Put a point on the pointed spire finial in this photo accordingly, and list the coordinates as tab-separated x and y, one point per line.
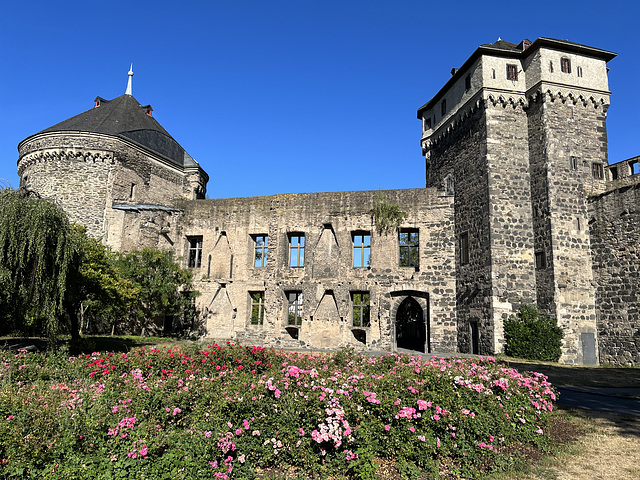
128	92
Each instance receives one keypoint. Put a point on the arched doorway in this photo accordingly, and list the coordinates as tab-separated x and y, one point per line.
411	331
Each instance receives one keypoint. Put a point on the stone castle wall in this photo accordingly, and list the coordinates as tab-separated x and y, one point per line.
615	229
227	275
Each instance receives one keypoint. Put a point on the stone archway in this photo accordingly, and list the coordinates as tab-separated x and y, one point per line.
411	328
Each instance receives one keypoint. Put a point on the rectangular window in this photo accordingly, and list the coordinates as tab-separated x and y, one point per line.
360	309
541	260
257	308
361	249
195	252
565	65
427	123
573	161
261	249
512	72
634	167
409	243
614	173
443	107
467	83
597	170
294	308
464	248
579	71
296	250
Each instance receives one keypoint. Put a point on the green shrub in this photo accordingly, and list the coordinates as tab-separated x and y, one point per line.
533	336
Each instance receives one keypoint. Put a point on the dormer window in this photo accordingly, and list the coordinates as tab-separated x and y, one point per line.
565	65
97	103
149	110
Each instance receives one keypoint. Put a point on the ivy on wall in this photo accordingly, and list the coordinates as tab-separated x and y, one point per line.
387	215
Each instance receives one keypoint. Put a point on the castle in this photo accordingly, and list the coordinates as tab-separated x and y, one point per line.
520	206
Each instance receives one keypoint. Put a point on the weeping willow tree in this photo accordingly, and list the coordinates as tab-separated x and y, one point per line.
39	254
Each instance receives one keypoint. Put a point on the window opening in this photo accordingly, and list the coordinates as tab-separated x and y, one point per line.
443	107
132	191
409	243
512	72
464	248
427	123
541	260
573	161
579	71
634	167
296	250
294	308
361	249
257	308
467	83
195	252
550	67
597	170
360	302
614	173
261	249
565	65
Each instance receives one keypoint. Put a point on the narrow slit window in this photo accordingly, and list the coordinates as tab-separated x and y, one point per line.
464	248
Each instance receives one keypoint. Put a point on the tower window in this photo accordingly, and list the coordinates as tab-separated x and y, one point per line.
579	71
541	260
467	83
597	170
443	107
464	248
565	65
512	72
195	252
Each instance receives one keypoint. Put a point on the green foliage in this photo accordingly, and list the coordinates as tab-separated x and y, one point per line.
38	254
533	336
387	215
164	287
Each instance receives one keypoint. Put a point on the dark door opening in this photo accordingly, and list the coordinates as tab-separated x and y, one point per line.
475	338
411	330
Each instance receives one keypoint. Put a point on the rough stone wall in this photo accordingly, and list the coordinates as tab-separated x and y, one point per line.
615	229
460	153
328	278
567	137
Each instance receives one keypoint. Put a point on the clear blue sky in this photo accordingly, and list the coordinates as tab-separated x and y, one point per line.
285	96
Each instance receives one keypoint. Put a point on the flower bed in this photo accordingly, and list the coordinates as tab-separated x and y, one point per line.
226	412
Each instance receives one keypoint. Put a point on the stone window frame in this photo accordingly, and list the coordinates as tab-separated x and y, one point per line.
512	72
195	251
296	249
260	249
579	71
361	241
597	170
541	260
614	173
565	65
409	248
634	167
294	307
256	307
463	243
573	163
360	308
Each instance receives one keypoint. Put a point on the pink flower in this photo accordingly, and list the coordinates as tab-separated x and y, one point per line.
241	458
176	411
239	431
387	428
10	417
144	451
207	434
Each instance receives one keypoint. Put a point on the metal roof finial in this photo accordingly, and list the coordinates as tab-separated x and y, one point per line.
128	92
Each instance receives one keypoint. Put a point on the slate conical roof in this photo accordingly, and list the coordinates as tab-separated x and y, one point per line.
125	117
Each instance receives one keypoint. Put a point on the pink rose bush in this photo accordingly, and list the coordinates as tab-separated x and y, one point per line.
225	411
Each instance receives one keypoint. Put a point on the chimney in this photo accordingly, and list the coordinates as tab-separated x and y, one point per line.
524	44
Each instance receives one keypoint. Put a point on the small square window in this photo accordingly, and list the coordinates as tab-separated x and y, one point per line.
361	249
565	65
512	72
597	170
195	252
294	308
360	302
296	250
464	248
261	249
541	260
409	243
257	308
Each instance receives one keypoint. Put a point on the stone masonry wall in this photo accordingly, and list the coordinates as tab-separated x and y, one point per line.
227	275
615	229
